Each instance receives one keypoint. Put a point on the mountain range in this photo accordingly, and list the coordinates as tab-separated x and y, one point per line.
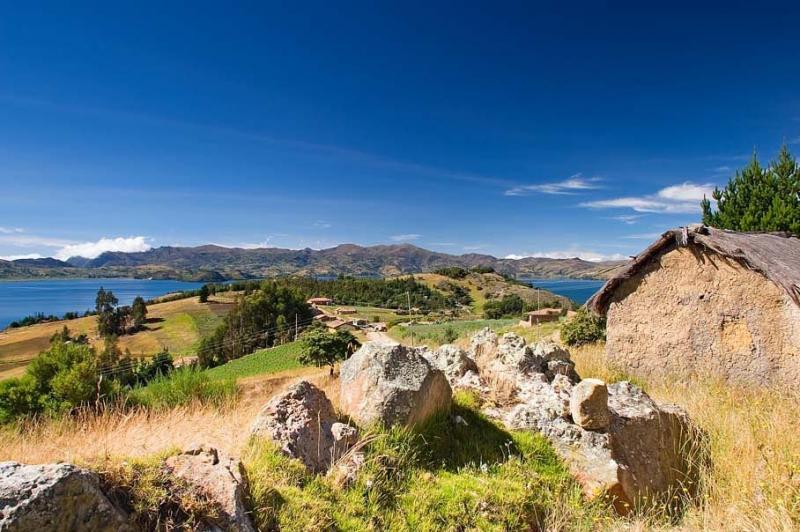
217	263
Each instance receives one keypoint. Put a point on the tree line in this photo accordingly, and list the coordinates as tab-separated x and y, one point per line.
758	198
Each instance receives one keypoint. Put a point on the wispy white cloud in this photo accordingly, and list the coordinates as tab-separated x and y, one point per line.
409	237
10	230
322	224
574	184
91	250
629	219
676	199
591	256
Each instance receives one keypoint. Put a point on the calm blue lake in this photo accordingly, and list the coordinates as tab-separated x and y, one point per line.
58	296
578	290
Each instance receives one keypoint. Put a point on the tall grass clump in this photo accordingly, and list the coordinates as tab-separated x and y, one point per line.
752	478
154	498
183	386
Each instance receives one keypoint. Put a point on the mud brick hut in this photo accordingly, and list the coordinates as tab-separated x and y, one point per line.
704	301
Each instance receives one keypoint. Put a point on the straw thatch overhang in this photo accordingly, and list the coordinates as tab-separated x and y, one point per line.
775	255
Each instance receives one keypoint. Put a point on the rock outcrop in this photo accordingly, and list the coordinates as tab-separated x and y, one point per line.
459	369
220	478
616	440
392	385
301	421
55	497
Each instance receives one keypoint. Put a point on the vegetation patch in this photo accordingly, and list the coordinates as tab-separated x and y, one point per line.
583	328
273	360
460	471
434	334
184	386
155	499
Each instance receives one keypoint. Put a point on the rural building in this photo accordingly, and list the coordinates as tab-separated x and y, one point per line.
345	310
339	325
704	301
324	317
541	316
320	301
379	326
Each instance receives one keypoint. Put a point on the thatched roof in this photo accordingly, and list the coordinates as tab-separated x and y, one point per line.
775	255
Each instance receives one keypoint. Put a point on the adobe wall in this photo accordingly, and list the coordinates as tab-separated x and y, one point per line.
692	312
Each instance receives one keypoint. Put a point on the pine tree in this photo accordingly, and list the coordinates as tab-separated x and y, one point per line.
759	199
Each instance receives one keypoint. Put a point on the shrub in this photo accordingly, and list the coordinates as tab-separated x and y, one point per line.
584	328
18	397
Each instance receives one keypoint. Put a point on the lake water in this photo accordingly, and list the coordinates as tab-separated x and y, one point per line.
578	290
58	296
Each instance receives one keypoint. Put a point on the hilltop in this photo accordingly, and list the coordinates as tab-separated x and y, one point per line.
217	263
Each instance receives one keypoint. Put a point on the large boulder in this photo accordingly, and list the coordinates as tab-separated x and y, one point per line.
661	450
301	422
55	497
219	477
392	385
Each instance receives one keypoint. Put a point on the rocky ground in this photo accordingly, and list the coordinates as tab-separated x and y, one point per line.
617	442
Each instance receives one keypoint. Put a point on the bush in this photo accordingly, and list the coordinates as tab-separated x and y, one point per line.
584	328
18	397
183	386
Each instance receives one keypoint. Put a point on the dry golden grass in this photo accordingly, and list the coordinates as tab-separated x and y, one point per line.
754	437
88	437
176	325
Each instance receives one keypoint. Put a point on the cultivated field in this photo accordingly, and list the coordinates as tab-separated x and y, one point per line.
175	325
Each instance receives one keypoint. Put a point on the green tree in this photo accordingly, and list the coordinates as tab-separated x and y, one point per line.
758	198
138	312
110	319
204	293
320	348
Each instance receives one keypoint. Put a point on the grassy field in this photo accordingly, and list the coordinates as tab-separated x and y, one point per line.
435	334
365	313
271	360
176	325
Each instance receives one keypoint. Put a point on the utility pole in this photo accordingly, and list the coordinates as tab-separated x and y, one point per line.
408	295
295	326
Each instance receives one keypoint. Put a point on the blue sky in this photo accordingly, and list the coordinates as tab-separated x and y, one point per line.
502	128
